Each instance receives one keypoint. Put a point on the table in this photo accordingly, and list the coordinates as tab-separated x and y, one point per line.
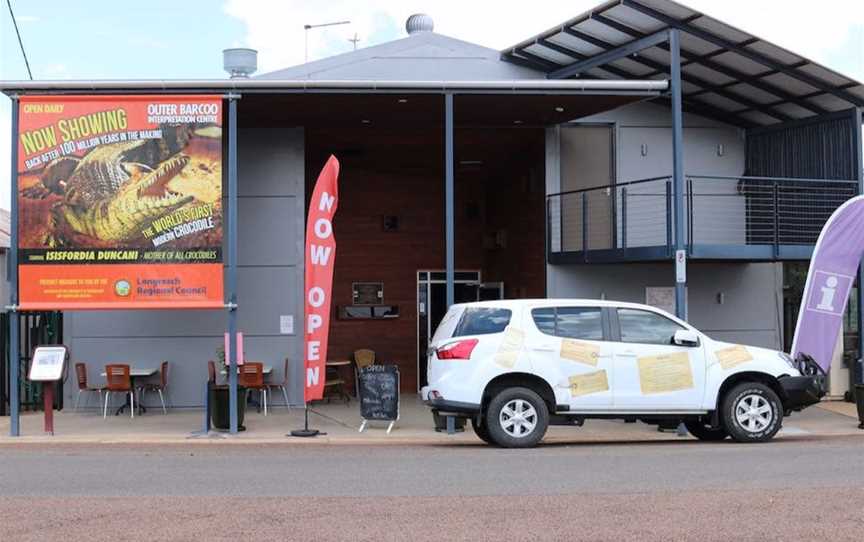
266	370
134	373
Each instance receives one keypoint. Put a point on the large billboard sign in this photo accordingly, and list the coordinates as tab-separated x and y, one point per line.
120	202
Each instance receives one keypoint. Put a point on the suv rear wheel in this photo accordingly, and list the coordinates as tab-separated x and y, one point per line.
752	412
516	418
481	431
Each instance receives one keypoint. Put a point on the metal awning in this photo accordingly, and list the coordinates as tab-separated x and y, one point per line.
727	74
275	86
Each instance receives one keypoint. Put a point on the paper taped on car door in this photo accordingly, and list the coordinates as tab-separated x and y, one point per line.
665	373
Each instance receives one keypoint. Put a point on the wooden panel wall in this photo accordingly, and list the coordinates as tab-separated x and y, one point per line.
401	174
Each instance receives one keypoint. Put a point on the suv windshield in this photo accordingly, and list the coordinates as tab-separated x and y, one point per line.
482	321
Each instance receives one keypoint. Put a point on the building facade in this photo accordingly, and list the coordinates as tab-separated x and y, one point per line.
560	153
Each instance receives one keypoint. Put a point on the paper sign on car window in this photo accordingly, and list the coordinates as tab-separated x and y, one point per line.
580	351
511	345
732	356
595	382
665	373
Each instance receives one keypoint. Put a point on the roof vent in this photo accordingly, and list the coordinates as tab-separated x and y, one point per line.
419	22
240	63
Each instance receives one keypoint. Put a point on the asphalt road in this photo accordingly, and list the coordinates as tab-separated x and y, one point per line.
790	489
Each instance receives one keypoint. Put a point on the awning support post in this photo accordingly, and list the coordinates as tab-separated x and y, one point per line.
14	332
232	264
449	235
677	162
857	144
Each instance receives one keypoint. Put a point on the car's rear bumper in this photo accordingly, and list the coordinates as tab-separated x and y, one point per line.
453	407
801	391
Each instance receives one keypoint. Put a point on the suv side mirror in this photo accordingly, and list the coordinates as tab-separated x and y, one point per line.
685	337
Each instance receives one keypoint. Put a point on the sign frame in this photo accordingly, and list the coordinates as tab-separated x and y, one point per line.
379	368
89	262
44	366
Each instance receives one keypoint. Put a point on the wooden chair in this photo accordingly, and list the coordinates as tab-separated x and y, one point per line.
283	385
362	358
335	383
81	373
252	378
117	380
158	387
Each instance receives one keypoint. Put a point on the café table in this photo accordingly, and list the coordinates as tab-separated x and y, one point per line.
134	374
266	370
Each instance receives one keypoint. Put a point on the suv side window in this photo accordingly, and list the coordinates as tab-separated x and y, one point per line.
638	326
570	322
482	321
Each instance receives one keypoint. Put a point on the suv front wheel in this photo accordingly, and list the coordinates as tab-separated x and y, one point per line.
752	412
516	418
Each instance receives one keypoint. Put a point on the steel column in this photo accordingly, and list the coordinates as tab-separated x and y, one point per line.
232	263
624	217
859	165
677	161
14	332
449	228
585	226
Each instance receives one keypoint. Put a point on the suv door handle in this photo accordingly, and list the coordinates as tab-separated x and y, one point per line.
628	353
547	347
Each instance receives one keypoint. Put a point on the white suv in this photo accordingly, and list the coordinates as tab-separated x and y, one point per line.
514	367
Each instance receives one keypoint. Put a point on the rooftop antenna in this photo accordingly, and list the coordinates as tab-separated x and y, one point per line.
308	27
354	40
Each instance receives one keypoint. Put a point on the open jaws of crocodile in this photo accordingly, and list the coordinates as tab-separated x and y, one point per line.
137	203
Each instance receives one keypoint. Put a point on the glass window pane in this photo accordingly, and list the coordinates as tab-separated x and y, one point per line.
646	327
544	319
580	323
482	321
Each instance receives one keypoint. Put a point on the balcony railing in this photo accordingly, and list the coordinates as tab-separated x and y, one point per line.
724	218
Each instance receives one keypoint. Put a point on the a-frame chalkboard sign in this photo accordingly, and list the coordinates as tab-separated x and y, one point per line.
379	395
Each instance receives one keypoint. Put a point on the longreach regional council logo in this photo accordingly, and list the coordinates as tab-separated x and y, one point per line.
122	288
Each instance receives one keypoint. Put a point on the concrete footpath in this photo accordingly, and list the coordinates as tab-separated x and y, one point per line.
340	422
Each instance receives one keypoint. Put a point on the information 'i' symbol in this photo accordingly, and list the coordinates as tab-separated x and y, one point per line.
828	291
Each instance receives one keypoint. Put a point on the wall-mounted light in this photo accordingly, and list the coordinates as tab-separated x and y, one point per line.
366	121
559	109
721	150
644	149
402	100
517	122
721	298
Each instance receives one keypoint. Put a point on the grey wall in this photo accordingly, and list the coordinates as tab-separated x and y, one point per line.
752	293
270	280
751	311
719	211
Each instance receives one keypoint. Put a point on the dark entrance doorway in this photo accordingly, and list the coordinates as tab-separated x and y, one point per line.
432	305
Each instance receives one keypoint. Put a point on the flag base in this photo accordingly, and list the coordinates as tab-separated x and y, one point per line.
305	432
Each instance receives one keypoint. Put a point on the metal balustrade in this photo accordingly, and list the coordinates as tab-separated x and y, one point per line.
725	217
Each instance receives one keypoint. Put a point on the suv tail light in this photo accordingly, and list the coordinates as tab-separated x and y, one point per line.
457	350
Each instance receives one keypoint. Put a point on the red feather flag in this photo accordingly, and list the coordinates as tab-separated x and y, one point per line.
320	259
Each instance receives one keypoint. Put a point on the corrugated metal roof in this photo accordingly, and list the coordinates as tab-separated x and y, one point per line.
420	56
727	74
